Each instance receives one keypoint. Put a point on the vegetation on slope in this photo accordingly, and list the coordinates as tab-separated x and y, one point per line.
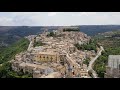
7	72
71	29
9	52
90	46
11	34
39	43
51	34
86	61
111	46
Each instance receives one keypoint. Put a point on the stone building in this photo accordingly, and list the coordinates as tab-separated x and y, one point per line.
45	71
113	67
84	73
52	75
72	49
36	70
47	57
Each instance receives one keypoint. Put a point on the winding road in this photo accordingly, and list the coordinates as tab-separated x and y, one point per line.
30	45
92	62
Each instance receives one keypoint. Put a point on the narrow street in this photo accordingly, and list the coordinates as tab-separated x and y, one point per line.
72	62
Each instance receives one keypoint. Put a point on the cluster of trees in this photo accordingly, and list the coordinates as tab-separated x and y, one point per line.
100	63
51	34
39	43
112	47
90	46
70	29
9	52
2	48
7	72
86	61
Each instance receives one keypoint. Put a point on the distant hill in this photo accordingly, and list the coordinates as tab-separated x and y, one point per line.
17	47
10	34
95	29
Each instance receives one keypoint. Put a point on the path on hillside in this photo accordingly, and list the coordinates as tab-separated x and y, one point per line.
30	45
92	62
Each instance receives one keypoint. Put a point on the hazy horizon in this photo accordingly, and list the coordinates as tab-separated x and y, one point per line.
58	18
65	25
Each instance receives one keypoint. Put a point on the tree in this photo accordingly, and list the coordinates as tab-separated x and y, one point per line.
9	52
7	72
51	34
90	46
86	61
70	29
39	43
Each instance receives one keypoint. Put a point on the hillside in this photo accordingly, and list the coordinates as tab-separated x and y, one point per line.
9	52
109	39
95	29
11	34
111	43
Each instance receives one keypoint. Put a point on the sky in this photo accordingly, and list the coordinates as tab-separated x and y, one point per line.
58	18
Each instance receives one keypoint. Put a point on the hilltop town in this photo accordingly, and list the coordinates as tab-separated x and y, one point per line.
54	55
59	45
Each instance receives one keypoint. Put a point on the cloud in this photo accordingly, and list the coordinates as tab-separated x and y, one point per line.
58	18
52	14
4	21
84	14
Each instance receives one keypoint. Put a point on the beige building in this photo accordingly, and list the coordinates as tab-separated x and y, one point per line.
47	57
84	73
52	75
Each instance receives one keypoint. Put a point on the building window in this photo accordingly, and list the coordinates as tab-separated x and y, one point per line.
51	58
41	72
73	73
47	57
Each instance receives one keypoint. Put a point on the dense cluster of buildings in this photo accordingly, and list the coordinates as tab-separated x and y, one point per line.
57	58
